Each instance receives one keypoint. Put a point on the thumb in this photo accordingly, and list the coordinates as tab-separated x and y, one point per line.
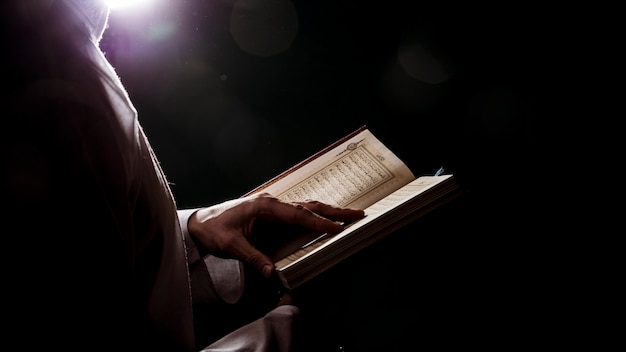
261	262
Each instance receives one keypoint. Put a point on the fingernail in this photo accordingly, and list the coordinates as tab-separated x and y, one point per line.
267	270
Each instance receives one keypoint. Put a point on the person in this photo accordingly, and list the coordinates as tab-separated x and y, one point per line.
96	255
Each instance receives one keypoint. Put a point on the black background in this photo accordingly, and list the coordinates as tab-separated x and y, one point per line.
222	120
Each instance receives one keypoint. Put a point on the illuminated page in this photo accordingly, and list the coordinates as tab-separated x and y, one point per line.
372	214
394	211
356	173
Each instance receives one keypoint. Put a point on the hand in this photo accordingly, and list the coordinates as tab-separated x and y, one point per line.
224	229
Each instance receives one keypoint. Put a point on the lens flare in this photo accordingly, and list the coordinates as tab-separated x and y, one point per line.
118	4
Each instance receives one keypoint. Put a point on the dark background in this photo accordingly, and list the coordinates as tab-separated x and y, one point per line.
230	95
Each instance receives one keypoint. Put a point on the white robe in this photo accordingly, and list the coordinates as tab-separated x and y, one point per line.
271	332
127	246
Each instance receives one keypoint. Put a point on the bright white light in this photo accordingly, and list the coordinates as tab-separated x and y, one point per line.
117	4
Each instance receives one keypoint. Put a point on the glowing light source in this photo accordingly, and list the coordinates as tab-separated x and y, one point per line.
117	4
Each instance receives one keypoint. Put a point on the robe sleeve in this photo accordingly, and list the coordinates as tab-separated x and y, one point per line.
270	333
226	275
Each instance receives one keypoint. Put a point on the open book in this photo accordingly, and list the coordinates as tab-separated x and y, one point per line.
357	171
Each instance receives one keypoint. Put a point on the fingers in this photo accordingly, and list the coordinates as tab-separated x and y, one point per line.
334	213
311	214
252	256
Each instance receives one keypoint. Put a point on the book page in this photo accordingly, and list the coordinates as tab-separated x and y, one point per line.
411	191
356	174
